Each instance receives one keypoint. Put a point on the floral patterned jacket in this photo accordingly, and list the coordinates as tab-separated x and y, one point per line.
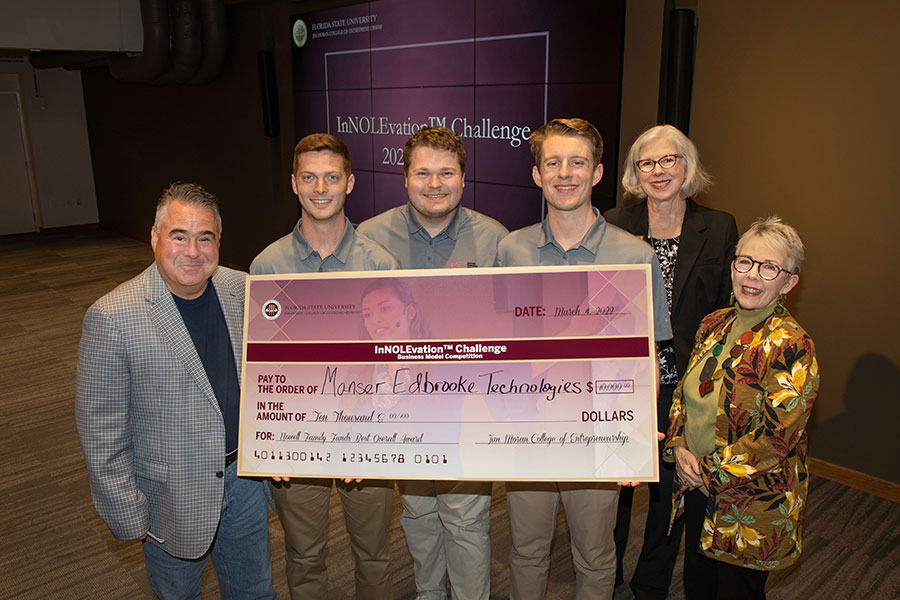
757	477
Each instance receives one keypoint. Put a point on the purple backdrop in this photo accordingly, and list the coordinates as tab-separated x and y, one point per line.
491	70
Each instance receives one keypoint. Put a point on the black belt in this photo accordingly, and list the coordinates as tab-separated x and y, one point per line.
230	458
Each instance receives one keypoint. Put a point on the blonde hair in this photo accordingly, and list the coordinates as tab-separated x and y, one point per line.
696	178
574	127
781	236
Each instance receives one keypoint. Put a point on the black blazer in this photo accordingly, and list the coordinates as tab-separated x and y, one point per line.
702	271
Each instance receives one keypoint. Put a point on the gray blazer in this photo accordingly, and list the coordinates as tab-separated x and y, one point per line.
151	430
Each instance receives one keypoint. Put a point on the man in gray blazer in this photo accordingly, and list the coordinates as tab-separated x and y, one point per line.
156	404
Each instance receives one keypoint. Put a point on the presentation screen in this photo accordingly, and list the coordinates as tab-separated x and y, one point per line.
492	71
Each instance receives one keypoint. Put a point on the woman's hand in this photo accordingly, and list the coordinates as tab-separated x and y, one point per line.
687	468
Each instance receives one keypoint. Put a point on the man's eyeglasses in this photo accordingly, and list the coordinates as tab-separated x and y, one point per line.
767	270
666	162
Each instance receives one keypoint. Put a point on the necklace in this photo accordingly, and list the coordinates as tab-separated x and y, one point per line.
712	371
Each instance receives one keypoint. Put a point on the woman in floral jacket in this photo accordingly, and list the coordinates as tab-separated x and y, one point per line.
737	430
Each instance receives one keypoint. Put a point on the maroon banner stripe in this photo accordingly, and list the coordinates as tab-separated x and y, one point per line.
550	349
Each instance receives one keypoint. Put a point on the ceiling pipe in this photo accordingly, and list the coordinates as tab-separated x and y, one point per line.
215	36
187	45
150	63
185	41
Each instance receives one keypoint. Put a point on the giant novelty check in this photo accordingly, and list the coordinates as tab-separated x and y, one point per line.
542	373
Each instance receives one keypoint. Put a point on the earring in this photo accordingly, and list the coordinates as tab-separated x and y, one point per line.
733	299
779	306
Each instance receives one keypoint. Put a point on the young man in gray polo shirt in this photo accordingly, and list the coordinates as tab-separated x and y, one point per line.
447	523
324	240
567	156
432	230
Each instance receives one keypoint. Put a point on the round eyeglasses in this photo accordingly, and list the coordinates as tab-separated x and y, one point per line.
666	162
767	270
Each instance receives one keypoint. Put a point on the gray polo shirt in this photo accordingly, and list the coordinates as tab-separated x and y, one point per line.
603	244
293	254
469	240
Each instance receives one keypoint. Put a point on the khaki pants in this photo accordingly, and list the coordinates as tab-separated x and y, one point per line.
447	528
591	514
302	506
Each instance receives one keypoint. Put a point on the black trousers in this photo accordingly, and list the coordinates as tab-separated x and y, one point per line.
708	579
653	573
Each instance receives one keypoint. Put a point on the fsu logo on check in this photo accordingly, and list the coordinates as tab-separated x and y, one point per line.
271	309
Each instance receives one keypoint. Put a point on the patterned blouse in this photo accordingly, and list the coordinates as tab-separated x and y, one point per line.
756	476
667	253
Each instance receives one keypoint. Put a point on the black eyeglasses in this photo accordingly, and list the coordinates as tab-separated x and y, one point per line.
666	162
767	270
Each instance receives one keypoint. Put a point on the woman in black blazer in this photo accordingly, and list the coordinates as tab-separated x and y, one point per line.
695	246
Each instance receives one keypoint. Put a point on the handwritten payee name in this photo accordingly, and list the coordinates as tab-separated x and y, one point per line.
424	383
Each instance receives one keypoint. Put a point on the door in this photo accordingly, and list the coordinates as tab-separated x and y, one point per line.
17	213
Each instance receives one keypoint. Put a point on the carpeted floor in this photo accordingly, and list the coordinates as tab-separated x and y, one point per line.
53	545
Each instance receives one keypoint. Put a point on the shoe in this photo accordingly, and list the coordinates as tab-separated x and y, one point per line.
623	592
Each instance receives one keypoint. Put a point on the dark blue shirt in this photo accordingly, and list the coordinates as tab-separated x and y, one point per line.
205	321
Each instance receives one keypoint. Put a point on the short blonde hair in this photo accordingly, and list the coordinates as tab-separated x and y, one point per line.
781	236
695	178
574	127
